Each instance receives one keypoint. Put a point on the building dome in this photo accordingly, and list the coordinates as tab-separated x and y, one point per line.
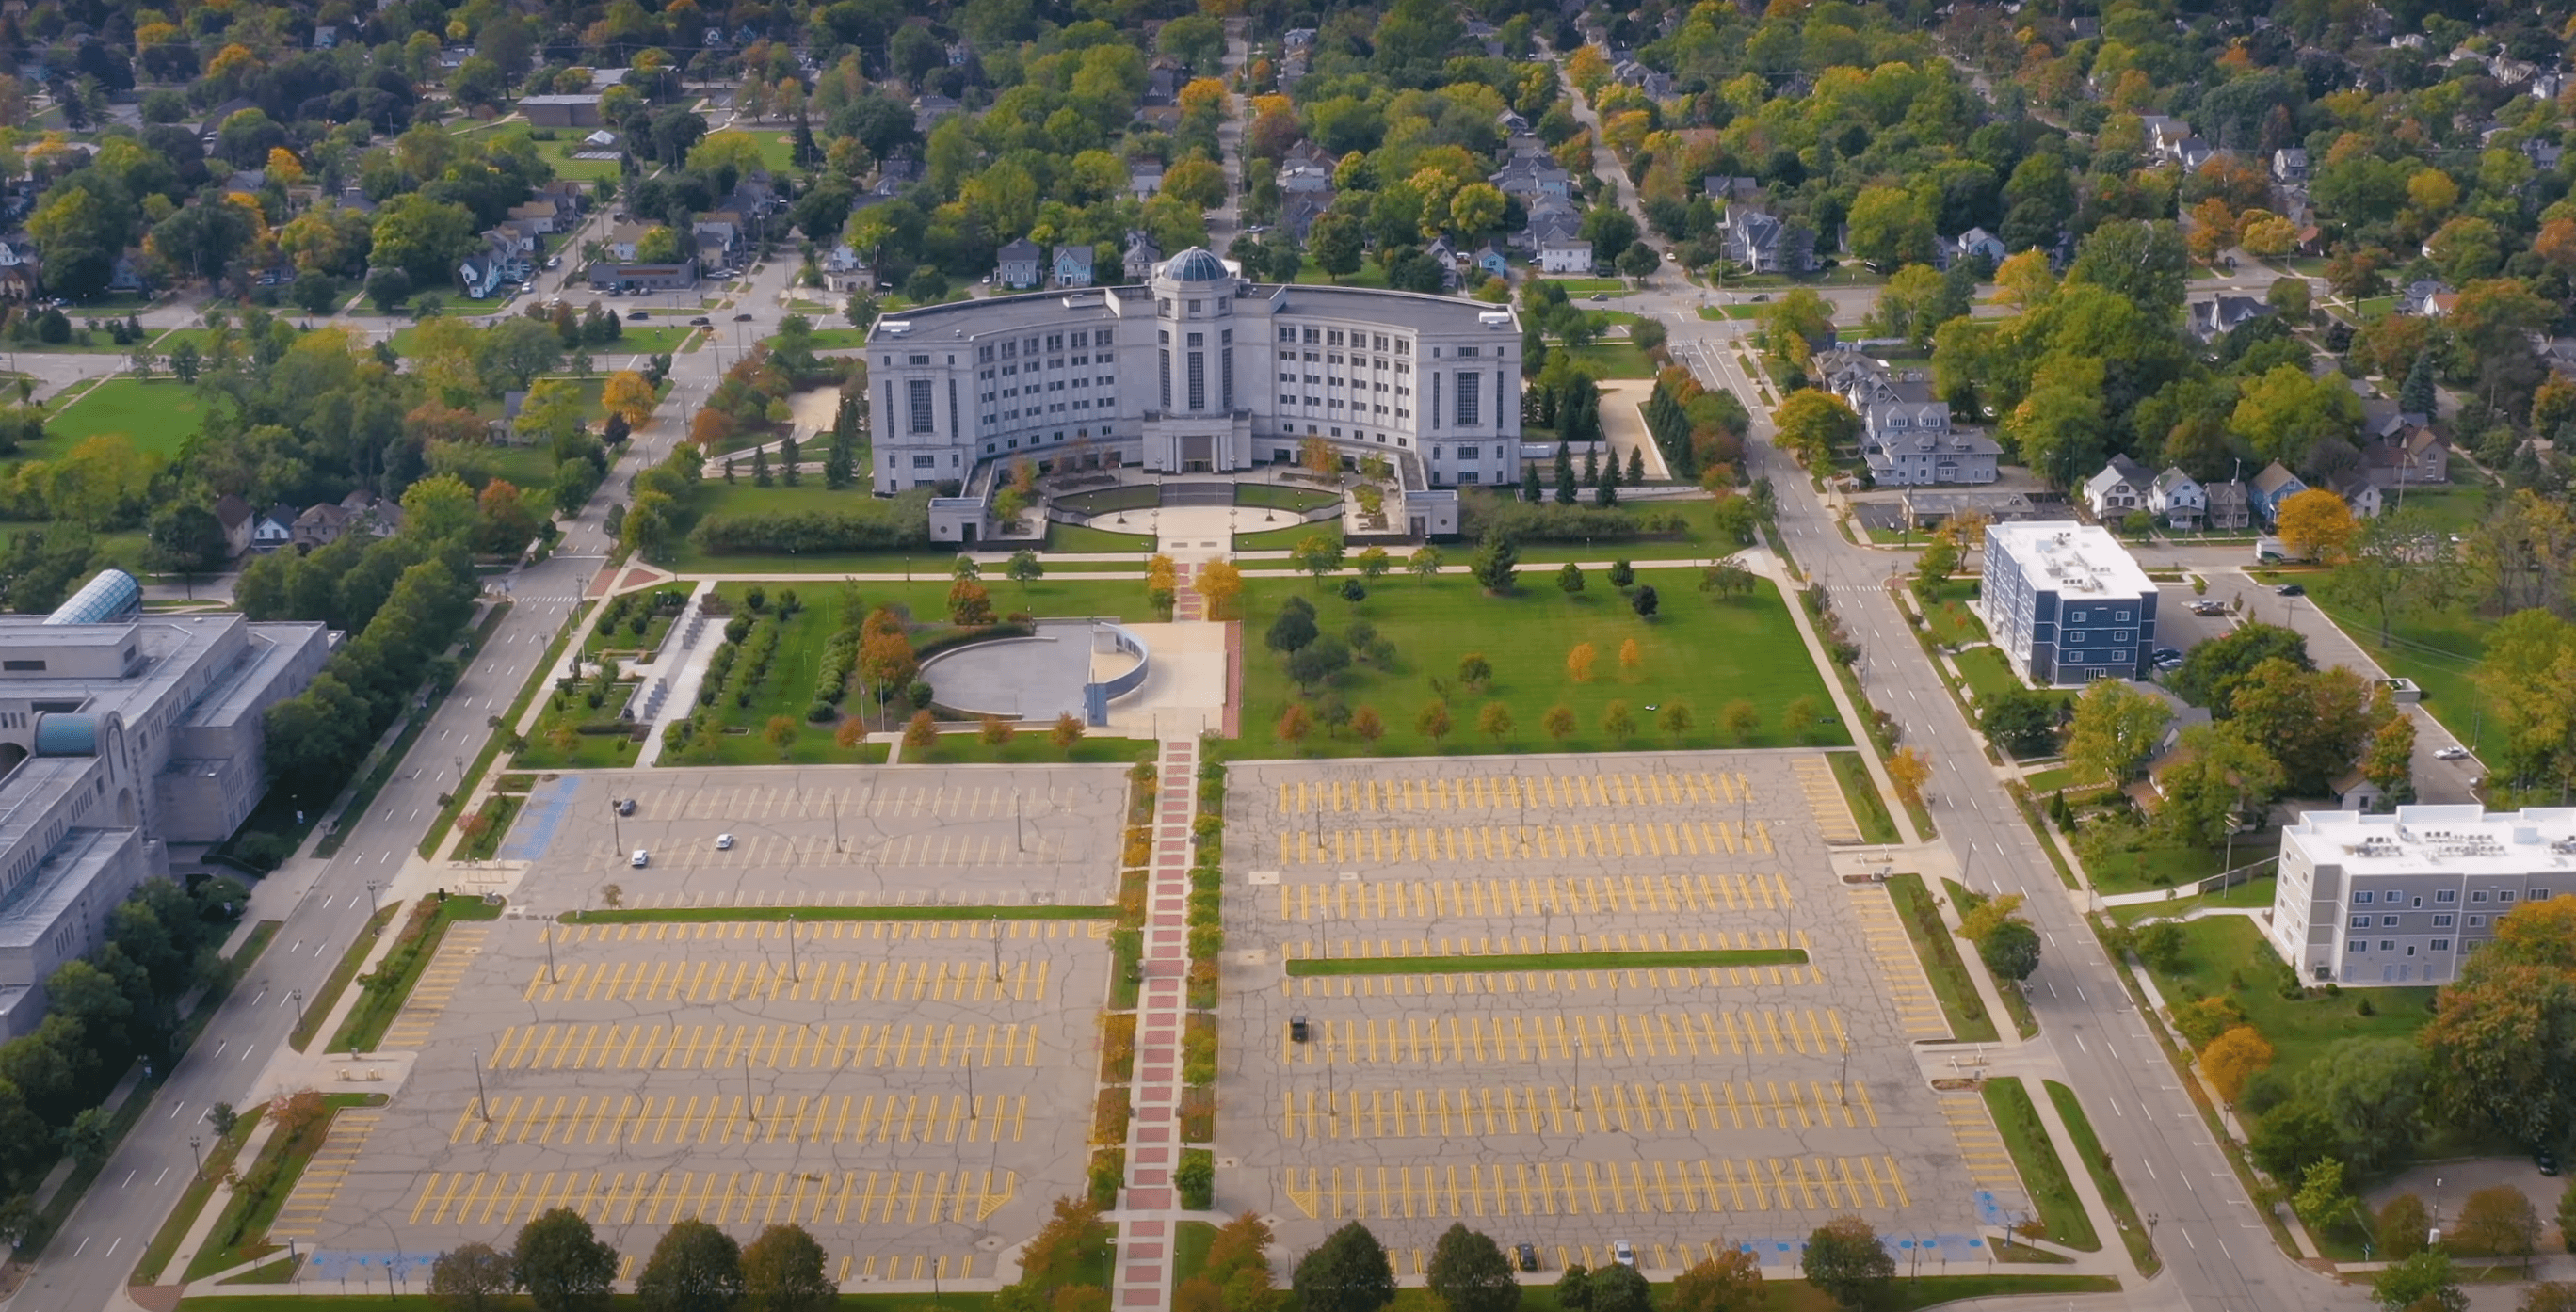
1195	265
110	597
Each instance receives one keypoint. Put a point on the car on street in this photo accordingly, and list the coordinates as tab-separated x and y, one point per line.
742	318
701	322
626	806
2546	1160
724	842
2451	754
638	314
1600	296
1528	1254
2167	658
1623	1253
2209	608
2291	590
641	859
554	261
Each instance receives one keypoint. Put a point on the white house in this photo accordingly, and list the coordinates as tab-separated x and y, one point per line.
2177	499
2121	487
1567	255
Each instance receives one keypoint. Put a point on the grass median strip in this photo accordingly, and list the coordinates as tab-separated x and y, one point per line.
391	984
1542	961
1868	809
1939	953
318	1006
2061	1212
649	915
2142	1247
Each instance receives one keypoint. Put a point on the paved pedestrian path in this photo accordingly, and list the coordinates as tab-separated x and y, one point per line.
1151	1204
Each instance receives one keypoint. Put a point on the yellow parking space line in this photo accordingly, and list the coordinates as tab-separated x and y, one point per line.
1816	1184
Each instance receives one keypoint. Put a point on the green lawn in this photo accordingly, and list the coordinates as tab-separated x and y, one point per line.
1695	652
1029	746
1949	620
558	153
1085	538
789	688
2088	1147
1369	274
1287	536
158	416
2043	1172
742	495
1586	286
2439	650
827	338
1614	360
2228	955
1279	497
2166	866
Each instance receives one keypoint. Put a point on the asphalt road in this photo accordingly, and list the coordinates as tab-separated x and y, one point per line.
324	904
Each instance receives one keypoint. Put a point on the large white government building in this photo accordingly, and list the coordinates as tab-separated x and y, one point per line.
1197	371
121	733
2403	898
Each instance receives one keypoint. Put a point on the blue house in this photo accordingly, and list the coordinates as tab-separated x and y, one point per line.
1490	260
1073	266
2270	488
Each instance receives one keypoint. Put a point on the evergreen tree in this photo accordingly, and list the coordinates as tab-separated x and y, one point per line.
840	466
1529	484
760	466
2415	396
790	458
1564	474
1636	465
1592	466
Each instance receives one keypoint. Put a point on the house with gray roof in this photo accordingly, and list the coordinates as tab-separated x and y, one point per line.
1018	264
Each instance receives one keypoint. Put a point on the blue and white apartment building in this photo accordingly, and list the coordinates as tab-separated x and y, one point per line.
2067	604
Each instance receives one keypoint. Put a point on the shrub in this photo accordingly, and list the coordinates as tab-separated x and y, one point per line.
1196	1179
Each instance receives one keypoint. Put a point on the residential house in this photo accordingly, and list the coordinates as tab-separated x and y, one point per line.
125	277
1726	190
2178	500
1487	35
1552	222
1572	255
1906	437
1073	265
1140	257
1656	84
1512	124
2165	135
2223	313
623	235
1528	178
2411	456
2270	488
1145	178
326	36
1306	178
930	107
1162	83
1765	243
2360	496
22	275
1017	264
547	213
2120	487
1307	152
719	243
1297	213
552	111
845	270
748	208
635	275
2290	164
2544	154
1978	244
1489	261
2426	297
272	528
237	518
2227	507
1452	265
480	275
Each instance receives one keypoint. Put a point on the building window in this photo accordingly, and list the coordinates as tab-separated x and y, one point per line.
22	665
1194	306
2504	895
1198	379
925	461
919	388
2358	945
2388	922
1333	337
1055	341
1225	376
2388	945
1470	398
918	359
2540	895
2364	899
1403	346
2477	922
2441	922
2441	945
1312	337
2361	922
1167	379
2447	895
1287	334
2479	896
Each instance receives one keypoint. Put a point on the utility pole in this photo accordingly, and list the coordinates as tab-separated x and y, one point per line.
792	972
997	947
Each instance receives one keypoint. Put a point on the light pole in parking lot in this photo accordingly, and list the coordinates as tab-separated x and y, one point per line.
792	972
997	947
481	1099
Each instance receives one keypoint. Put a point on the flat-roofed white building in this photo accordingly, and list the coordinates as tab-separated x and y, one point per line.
2067	604
2366	900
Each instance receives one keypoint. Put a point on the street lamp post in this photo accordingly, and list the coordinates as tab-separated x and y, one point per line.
997	947
481	1099
194	1143
792	972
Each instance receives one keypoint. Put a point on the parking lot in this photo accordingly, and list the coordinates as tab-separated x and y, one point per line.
914	1092
1673	1104
980	835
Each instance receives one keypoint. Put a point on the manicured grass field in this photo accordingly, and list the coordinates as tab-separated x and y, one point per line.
1085	538
2439	650
1949	620
1028	746
789	688
158	416
1273	495
2043	1172
1287	536
1614	360
2227	955
1695	652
